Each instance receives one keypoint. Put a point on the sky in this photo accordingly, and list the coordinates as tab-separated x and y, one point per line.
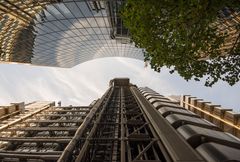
88	81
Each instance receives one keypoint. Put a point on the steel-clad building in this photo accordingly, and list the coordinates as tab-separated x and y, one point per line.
127	124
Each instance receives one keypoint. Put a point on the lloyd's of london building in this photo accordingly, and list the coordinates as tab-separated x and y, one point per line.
127	124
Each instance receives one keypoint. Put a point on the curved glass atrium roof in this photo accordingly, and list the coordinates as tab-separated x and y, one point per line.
63	33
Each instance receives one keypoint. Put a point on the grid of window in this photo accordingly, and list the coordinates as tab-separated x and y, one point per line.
63	33
228	23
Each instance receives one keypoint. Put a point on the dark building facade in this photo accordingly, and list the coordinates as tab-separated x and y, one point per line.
127	124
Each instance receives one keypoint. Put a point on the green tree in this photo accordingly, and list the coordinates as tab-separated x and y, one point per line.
181	35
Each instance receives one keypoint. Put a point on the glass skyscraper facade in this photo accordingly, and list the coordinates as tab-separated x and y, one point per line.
63	33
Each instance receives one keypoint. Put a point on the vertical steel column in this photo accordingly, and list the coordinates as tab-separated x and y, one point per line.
72	144
122	111
93	130
177	147
142	142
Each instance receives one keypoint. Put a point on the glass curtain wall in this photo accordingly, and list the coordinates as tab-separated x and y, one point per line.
63	33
